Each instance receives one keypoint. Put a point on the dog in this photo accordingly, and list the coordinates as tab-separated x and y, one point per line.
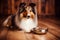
25	18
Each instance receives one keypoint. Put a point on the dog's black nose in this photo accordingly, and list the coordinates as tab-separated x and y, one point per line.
28	16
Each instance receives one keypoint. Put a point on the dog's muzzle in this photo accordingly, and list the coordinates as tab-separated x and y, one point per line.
28	17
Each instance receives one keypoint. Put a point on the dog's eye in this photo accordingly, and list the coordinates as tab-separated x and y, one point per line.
30	10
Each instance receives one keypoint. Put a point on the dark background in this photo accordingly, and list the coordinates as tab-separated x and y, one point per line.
57	8
7	9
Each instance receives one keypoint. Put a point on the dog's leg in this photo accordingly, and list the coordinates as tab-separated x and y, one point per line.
36	19
7	22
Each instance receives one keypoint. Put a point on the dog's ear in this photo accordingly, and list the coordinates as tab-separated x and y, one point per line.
22	4
22	7
32	4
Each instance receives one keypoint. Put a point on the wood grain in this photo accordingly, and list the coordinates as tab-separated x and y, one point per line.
52	34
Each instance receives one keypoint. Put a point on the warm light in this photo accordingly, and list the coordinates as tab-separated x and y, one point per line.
43	31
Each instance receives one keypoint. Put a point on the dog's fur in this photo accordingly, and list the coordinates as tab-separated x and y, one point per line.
25	19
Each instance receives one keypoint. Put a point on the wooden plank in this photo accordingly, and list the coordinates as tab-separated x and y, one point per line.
16	35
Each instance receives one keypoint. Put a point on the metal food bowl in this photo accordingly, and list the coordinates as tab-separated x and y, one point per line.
38	30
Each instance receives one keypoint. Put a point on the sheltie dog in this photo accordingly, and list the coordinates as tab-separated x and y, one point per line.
25	18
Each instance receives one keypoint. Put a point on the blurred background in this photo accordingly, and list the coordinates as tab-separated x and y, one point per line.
44	7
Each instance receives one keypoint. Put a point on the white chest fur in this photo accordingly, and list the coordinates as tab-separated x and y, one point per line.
27	24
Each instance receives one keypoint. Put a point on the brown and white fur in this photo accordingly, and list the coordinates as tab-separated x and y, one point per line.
25	19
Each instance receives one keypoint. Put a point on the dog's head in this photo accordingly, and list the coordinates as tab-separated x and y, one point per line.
26	11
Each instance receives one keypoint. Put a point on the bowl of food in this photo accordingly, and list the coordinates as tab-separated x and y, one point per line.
40	30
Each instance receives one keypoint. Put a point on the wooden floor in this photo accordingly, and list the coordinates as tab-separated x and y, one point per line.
53	33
